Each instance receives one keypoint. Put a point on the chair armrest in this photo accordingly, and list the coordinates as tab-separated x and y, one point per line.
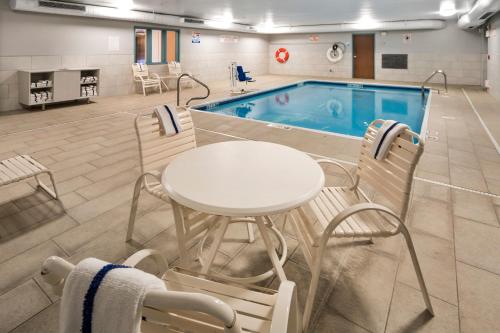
155	76
138	257
340	166
140	77
286	317
354	209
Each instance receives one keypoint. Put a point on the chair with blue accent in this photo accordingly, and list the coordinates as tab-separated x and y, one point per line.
347	212
198	303
242	75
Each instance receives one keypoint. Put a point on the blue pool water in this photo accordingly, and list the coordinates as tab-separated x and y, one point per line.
328	106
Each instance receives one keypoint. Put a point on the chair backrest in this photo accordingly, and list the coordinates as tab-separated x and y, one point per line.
163	311
140	70
174	67
156	149
241	73
392	178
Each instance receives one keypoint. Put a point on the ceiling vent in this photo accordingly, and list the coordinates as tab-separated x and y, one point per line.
486	15
61	5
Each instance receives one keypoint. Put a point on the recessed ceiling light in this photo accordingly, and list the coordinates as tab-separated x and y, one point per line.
366	22
447	8
265	27
221	22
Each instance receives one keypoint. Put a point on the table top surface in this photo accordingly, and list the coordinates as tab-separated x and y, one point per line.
243	178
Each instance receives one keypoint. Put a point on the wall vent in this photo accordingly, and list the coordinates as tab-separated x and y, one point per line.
61	5
193	21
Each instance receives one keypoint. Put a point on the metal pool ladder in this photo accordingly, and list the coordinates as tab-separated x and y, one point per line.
439	71
194	79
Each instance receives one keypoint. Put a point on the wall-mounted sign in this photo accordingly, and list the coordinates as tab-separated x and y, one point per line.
407	38
195	38
229	39
314	38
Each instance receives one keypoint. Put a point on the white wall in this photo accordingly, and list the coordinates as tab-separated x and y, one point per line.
494	61
38	41
459	53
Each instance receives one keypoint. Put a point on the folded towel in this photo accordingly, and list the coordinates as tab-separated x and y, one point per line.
167	117
386	134
99	297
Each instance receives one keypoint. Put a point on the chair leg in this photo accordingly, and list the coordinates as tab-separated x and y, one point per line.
418	271
133	209
311	294
53	193
251	233
143	90
159	85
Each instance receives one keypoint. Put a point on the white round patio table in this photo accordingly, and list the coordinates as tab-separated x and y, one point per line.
244	179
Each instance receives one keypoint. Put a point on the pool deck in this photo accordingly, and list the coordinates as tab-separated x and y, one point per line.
454	215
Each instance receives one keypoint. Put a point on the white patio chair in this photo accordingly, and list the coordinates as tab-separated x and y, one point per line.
22	167
175	70
156	151
348	212
145	78
197	303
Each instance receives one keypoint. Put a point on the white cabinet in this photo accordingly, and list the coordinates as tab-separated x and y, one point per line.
66	85
62	85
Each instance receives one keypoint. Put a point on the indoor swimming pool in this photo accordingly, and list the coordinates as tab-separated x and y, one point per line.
341	108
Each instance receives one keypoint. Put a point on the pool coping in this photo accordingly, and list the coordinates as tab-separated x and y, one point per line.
423	130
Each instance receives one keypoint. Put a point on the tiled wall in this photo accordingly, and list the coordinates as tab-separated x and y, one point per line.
54	42
309	57
459	53
211	58
494	61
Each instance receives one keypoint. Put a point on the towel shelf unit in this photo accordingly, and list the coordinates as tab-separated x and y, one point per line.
42	87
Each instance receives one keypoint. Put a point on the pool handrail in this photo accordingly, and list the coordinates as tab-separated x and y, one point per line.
194	79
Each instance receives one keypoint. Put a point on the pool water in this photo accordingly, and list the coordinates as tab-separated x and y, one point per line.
342	108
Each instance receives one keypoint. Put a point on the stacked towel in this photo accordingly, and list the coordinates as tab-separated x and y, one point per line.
99	297
168	119
89	90
386	134
88	79
41	96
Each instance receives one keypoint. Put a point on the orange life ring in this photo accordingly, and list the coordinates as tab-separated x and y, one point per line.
278	55
284	101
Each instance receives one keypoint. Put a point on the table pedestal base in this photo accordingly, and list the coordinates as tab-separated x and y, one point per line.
265	226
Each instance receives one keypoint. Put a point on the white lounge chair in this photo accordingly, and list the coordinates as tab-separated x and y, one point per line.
22	167
145	78
348	212
196	303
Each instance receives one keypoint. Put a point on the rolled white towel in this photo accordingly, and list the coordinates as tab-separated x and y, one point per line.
386	134
168	119
102	297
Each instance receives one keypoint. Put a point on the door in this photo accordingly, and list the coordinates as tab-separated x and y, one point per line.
364	56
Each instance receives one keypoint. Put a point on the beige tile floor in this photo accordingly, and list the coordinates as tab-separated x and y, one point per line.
454	215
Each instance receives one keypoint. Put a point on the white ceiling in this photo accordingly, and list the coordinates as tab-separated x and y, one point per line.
295	12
